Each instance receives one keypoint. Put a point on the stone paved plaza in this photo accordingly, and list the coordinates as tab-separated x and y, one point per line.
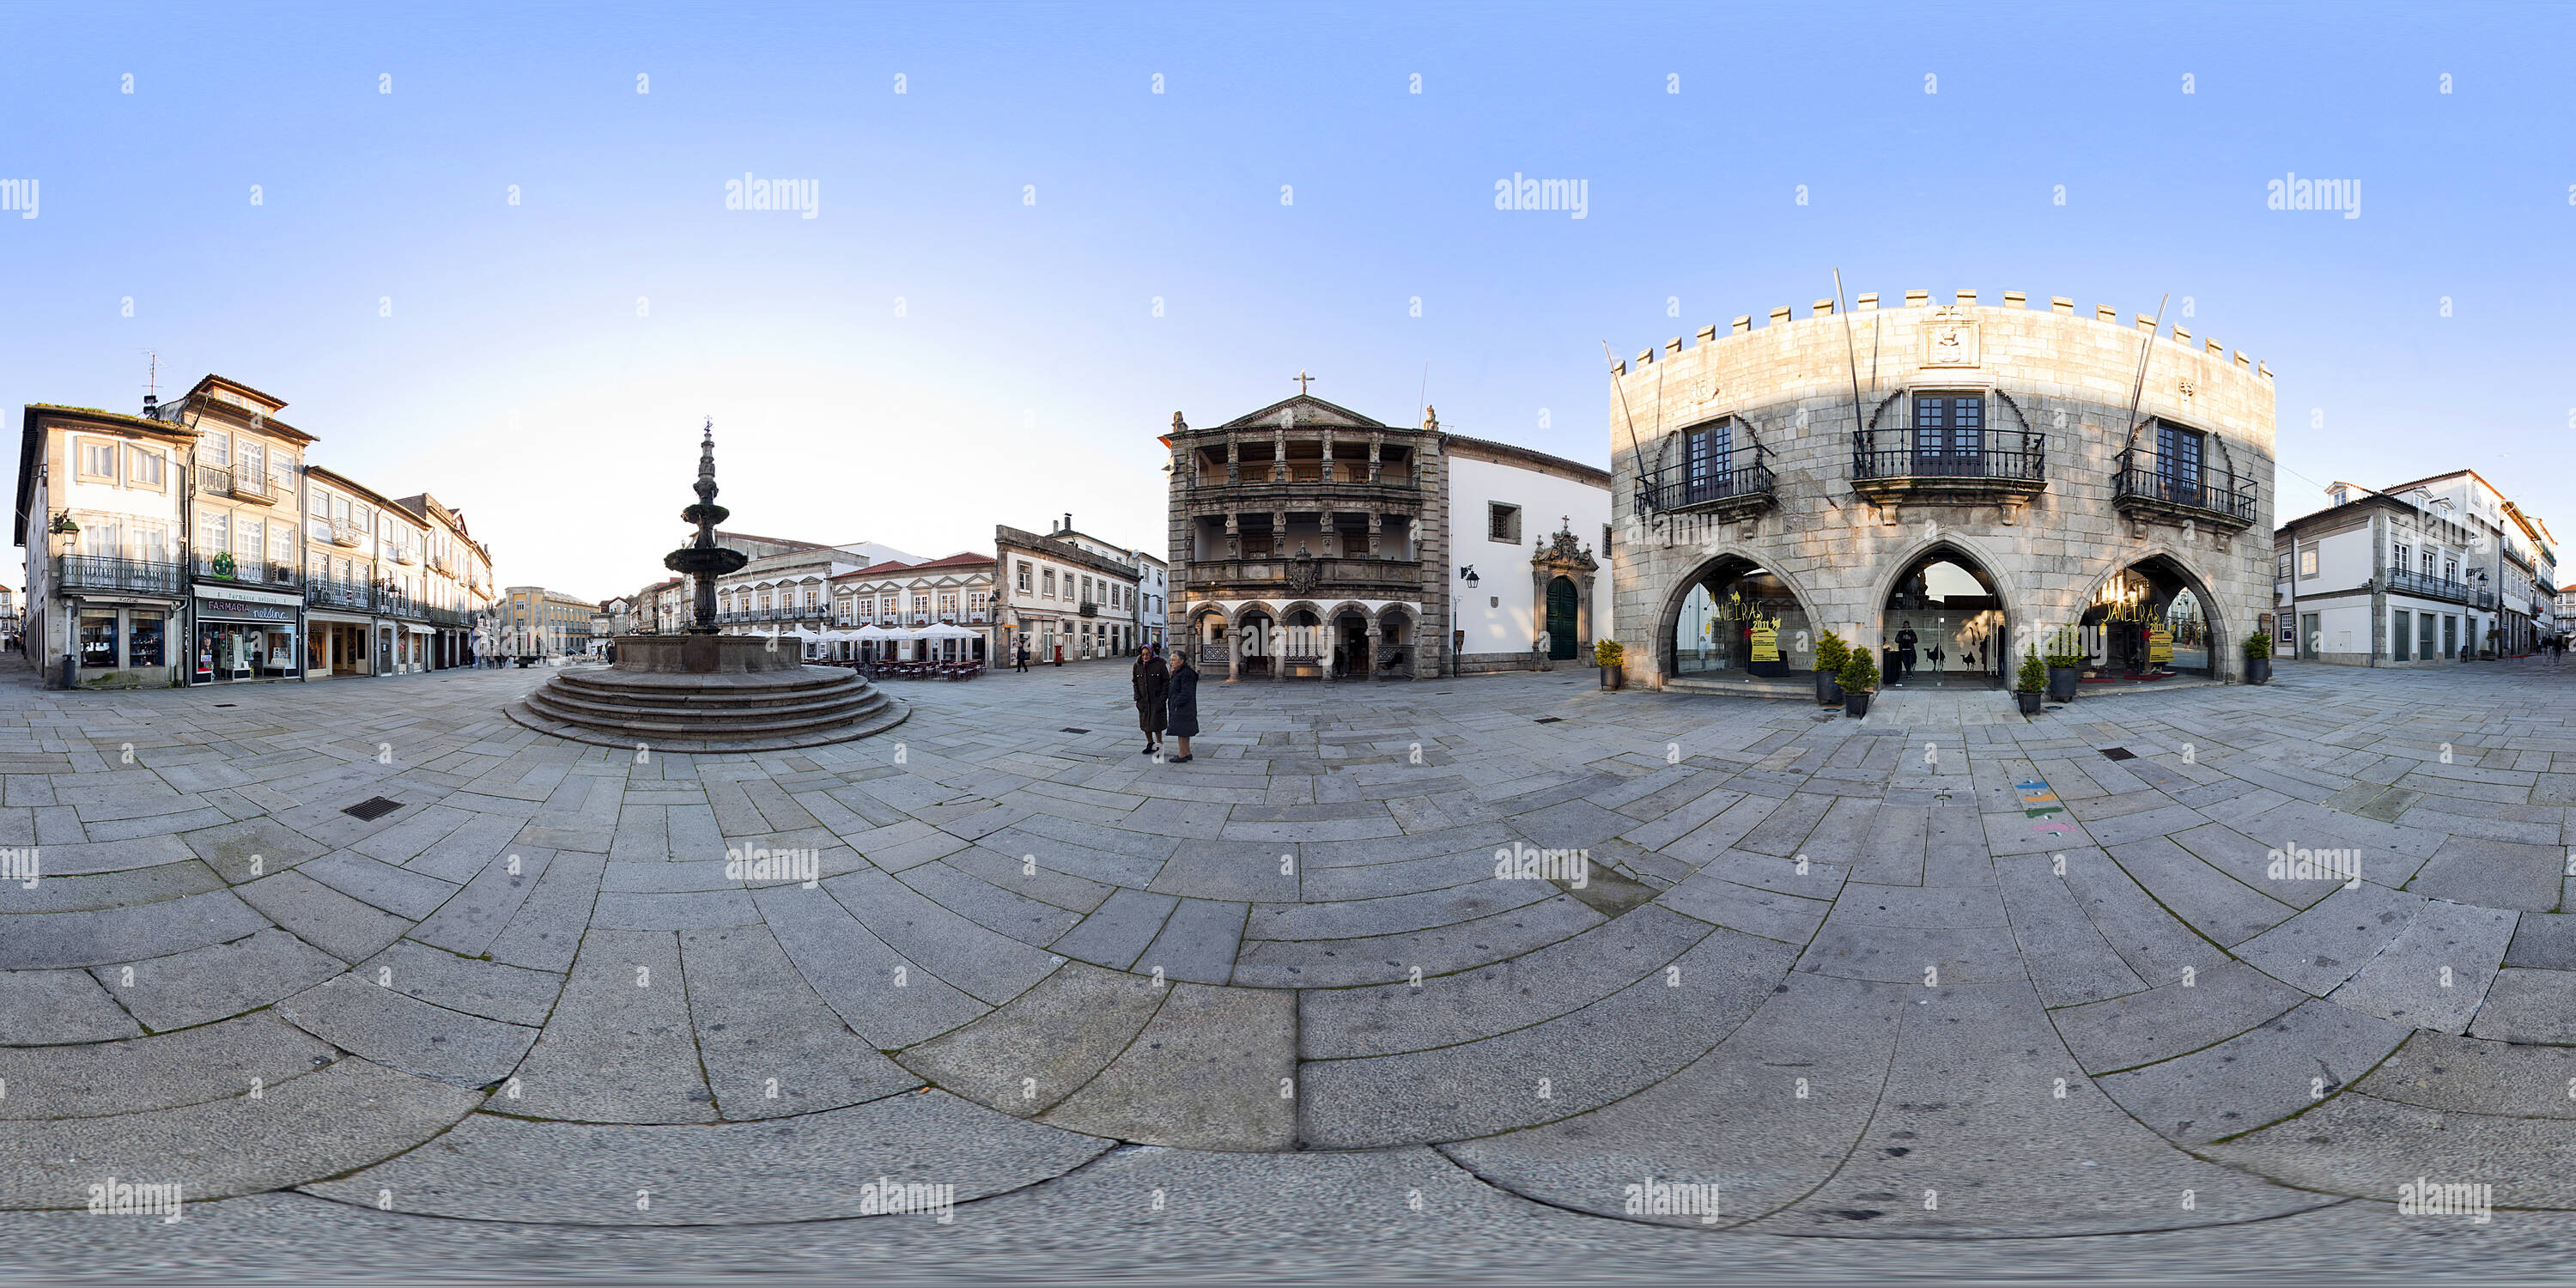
1932	983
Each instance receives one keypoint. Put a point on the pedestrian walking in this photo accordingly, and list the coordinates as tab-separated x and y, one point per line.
1024	657
1181	704
1152	682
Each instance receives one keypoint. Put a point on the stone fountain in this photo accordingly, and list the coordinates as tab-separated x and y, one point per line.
704	691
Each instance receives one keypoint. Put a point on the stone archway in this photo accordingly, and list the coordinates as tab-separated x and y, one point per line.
1733	613
1395	648
1944	616
1256	639
2131	600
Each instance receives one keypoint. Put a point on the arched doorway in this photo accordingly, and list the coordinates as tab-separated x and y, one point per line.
1561	609
1253	638
1394	644
1350	643
2147	622
1738	617
1304	651
1944	624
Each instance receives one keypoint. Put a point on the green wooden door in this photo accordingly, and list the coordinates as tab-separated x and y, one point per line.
1560	619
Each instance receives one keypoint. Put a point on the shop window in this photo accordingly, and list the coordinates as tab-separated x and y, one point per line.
98	640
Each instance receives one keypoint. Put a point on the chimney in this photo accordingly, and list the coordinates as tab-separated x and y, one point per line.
1068	521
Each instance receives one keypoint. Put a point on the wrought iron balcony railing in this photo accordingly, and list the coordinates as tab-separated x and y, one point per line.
2166	484
249	572
2028	466
114	572
1684	487
2402	582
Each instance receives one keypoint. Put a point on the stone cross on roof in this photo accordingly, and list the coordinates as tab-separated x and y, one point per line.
1302	378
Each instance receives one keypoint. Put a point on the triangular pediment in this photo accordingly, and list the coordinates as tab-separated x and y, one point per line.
1302	410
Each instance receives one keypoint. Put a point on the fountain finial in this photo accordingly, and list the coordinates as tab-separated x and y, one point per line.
703	560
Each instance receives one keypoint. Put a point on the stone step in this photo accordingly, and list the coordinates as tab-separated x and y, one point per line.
687	723
854	699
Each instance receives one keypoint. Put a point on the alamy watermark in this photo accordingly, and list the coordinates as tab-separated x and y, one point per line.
2295	193
1674	1198
1519	193
885	1196
2290	863
19	195
749	864
2425	1197
19	863
802	196
1518	862
113	1197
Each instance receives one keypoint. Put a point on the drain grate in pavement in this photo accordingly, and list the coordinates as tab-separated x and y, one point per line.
373	808
1549	720
2119	753
1071	729
227	704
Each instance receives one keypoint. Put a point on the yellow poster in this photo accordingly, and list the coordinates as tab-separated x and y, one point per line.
2159	646
1766	642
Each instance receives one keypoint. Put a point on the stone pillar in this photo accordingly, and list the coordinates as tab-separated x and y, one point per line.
1233	533
1371	660
1540	576
1376	521
1233	460
1377	442
1234	657
1583	619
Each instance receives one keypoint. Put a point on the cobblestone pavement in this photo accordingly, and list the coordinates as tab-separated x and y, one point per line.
2222	968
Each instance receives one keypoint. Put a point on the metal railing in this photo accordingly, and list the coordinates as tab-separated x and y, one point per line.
333	593
2019	466
2402	582
346	534
114	572
251	572
1679	486
2144	475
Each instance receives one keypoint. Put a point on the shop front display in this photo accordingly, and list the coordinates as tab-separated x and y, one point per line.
245	635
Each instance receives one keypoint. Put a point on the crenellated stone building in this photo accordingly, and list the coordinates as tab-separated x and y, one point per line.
1969	472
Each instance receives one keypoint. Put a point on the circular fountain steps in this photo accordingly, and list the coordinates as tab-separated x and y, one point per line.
759	711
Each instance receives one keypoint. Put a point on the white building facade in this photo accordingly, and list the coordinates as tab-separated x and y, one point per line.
1523	526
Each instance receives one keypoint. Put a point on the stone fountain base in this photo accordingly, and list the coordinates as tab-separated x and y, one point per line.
708	693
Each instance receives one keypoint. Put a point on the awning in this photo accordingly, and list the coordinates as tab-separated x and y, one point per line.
418	629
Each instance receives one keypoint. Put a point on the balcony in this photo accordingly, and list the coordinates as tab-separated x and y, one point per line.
323	592
249	572
2183	490
1089	609
345	534
1258	574
2402	582
1970	475
439	562
406	556
112	572
1684	489
1350	477
215	480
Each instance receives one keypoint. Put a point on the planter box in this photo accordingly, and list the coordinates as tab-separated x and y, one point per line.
1855	705
1611	678
2027	700
2258	670
1829	689
2061	683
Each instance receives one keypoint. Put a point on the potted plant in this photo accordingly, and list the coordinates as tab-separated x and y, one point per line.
2065	664
1608	654
1859	677
2026	686
2258	658
1831	653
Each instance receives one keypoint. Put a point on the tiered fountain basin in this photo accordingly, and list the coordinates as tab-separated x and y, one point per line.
708	693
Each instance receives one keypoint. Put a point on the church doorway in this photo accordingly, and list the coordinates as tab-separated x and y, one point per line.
1944	625
1560	619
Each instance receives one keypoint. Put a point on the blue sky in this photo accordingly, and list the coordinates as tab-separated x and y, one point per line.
546	365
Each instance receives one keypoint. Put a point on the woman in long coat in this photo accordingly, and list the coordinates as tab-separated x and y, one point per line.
1152	680
1183	703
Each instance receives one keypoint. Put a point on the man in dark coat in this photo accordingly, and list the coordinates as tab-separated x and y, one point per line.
1182	704
1905	640
1152	681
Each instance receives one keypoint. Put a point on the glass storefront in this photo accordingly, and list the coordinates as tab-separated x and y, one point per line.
1943	625
2145	624
1745	620
114	639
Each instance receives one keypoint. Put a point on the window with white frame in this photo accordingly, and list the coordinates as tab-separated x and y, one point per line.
1024	576
1048	585
2308	562
98	459
143	467
215	448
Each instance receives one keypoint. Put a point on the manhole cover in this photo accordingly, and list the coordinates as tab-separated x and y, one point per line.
1549	720
227	704
1070	729
2119	753
372	808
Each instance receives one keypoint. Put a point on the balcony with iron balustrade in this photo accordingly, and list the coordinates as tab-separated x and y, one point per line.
2399	581
114	572
2149	484
248	572
217	480
1977	473
1689	488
